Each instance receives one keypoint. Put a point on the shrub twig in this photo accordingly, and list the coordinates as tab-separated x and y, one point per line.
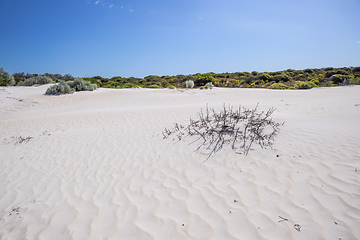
23	139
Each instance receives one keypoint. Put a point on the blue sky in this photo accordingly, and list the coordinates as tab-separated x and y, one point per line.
156	37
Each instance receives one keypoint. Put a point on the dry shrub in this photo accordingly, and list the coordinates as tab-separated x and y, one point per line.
238	128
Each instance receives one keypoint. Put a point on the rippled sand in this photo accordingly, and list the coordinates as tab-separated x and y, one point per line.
94	165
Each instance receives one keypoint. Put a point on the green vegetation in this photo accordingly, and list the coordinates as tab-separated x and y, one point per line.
61	88
28	79
70	87
154	86
355	81
278	86
287	79
304	85
337	78
6	79
36	80
265	77
202	79
209	85
81	85
283	77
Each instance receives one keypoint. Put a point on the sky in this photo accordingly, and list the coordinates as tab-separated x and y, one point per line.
137	38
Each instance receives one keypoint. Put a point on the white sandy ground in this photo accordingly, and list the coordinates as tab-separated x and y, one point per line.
97	167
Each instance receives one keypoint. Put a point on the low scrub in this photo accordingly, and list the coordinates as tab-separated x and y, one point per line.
278	86
61	88
209	85
6	79
281	78
81	85
154	86
321	77
304	85
355	81
70	87
337	78
37	80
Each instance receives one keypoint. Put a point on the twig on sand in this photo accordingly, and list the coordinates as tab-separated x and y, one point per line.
283	219
23	139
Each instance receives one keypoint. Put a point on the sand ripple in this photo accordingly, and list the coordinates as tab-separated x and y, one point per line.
98	168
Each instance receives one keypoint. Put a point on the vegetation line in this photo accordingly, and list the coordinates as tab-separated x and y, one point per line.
287	79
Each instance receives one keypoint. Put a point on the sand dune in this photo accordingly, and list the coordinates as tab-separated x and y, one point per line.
94	165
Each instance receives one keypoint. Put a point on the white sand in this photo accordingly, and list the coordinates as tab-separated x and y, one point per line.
98	168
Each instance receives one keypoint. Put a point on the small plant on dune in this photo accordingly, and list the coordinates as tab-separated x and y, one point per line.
189	84
154	86
304	85
61	88
355	81
209	85
278	86
130	85
327	84
81	85
70	87
238	128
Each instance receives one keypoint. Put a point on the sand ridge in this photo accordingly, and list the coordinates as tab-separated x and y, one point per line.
97	167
